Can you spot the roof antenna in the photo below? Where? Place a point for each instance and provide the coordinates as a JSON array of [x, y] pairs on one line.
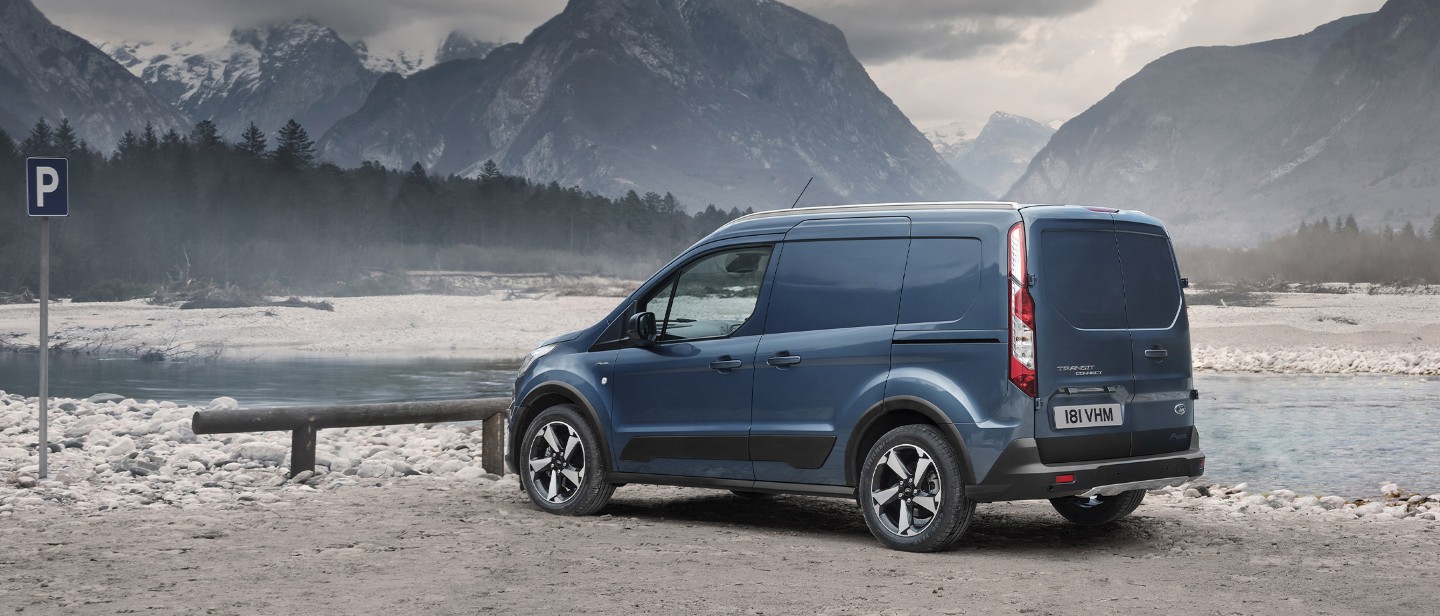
[[802, 192]]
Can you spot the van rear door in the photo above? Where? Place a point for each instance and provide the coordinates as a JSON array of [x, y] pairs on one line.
[[1112, 338], [1084, 364], [1162, 414]]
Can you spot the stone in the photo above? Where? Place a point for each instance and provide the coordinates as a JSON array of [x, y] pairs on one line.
[[1332, 502], [103, 398], [14, 454], [25, 482], [470, 473], [68, 407], [74, 443], [223, 403], [54, 447], [1390, 490], [122, 446]]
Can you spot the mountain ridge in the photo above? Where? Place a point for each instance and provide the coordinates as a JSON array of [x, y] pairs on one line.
[[613, 95]]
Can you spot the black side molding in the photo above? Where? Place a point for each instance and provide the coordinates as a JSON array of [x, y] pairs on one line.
[[647, 448], [803, 452]]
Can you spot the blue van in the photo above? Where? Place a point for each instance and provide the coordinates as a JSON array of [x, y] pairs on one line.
[[919, 358]]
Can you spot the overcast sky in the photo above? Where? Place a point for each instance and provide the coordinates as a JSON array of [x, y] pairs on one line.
[[942, 61]]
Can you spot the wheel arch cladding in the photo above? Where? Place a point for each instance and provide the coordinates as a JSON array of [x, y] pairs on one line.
[[544, 396], [893, 413]]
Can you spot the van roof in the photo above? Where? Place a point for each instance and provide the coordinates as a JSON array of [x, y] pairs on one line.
[[873, 207]]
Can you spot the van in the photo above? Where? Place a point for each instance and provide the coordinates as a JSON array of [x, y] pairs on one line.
[[919, 358]]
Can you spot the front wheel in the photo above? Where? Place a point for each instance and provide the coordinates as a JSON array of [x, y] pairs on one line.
[[912, 491], [563, 472], [1098, 510]]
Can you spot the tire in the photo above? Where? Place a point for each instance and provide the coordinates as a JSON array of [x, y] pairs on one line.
[[570, 476], [1099, 510], [747, 495], [912, 491]]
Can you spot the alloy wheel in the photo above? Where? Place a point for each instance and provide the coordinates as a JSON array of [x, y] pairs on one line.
[[905, 491], [557, 462]]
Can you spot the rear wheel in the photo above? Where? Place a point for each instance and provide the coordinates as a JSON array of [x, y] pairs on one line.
[[1098, 510], [563, 472], [912, 491]]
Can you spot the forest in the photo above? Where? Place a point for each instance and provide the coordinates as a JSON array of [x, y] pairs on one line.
[[171, 208], [1323, 251], [167, 209]]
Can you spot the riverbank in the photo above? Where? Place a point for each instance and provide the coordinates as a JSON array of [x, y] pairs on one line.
[[143, 515], [1296, 333]]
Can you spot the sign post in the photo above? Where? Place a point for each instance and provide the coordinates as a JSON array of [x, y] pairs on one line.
[[47, 195]]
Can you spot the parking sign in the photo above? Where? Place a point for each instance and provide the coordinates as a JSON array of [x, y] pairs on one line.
[[47, 186]]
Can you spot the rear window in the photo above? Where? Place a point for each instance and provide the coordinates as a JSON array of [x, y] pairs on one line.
[[1152, 289], [1093, 289], [1082, 278]]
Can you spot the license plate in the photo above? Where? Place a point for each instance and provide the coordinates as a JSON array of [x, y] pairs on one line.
[[1088, 416]]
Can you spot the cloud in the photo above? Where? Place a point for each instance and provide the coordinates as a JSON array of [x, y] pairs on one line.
[[880, 32], [171, 20]]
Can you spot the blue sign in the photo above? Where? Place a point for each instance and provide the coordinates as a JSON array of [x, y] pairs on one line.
[[47, 186]]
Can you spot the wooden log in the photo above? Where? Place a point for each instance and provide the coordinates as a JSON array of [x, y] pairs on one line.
[[345, 416]]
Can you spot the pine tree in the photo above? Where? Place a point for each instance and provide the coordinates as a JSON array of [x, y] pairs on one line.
[[205, 136], [417, 177], [490, 171], [1407, 232], [41, 141], [65, 140], [149, 139], [253, 142], [173, 141], [7, 150], [293, 147], [1350, 227], [128, 146]]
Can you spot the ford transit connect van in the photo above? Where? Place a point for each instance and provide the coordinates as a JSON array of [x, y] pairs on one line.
[[919, 358]]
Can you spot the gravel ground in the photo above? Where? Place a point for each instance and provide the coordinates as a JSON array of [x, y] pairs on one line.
[[422, 545]]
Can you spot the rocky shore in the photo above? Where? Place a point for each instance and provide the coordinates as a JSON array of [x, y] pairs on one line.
[[113, 453]]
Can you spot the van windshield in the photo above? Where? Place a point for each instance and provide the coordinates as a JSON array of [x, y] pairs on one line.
[[1103, 279]]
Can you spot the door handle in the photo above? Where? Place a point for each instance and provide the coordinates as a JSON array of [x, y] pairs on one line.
[[780, 361], [1156, 353], [726, 364]]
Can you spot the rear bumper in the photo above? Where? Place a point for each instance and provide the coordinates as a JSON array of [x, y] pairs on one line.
[[1020, 475]]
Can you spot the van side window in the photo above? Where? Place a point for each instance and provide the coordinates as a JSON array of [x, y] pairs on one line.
[[833, 284], [712, 297], [942, 279]]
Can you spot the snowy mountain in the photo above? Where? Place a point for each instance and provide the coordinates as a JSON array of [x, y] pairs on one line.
[[47, 71], [402, 61], [998, 156], [267, 75], [459, 46], [1230, 143], [950, 141], [731, 103]]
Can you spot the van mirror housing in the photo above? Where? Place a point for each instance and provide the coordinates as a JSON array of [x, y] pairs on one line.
[[640, 329]]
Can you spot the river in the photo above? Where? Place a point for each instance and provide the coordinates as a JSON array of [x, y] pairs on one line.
[[1317, 434]]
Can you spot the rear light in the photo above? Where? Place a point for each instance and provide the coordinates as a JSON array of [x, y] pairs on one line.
[[1022, 316], [1066, 478]]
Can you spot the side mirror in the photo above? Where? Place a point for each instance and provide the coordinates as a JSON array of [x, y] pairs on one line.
[[641, 329]]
